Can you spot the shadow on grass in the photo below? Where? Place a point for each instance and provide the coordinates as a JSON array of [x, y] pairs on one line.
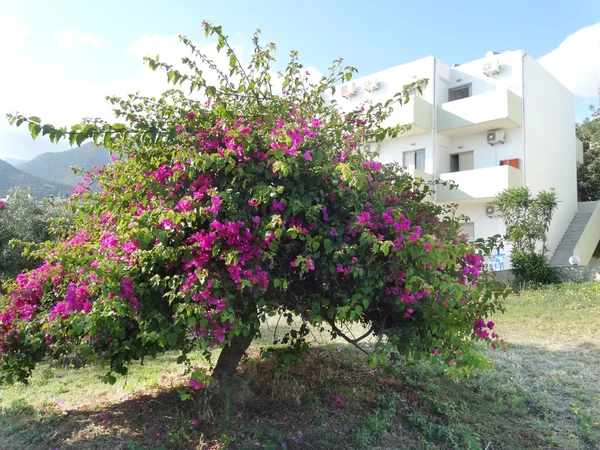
[[333, 400]]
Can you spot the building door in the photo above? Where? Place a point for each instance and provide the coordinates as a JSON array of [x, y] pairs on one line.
[[462, 161]]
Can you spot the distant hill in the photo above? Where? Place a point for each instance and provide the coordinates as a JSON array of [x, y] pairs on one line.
[[11, 177], [54, 166], [15, 162]]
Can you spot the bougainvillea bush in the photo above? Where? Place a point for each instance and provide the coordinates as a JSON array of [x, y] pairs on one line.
[[233, 202]]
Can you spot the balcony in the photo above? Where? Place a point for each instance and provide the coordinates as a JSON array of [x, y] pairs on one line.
[[480, 113], [415, 173], [479, 184], [417, 113]]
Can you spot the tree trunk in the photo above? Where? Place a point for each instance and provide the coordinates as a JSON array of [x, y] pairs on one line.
[[225, 374]]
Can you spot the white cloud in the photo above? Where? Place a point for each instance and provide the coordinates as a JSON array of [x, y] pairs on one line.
[[88, 38], [576, 61], [66, 38], [12, 35]]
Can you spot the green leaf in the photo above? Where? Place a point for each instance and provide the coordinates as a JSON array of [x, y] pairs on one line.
[[279, 153], [107, 139], [80, 138], [119, 127], [34, 119], [171, 339], [162, 237], [35, 130]]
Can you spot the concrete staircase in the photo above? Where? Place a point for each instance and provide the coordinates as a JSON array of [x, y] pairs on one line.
[[568, 242]]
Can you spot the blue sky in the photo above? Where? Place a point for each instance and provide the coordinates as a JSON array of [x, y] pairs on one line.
[[65, 55]]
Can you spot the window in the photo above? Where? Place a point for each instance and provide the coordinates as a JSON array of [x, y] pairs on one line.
[[469, 230], [461, 161], [415, 160], [458, 93]]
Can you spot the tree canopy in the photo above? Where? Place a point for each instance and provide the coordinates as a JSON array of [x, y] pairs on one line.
[[588, 174], [240, 200]]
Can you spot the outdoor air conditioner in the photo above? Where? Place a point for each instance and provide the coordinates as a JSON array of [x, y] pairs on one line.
[[490, 210], [348, 90], [370, 148], [496, 137], [491, 67], [371, 84]]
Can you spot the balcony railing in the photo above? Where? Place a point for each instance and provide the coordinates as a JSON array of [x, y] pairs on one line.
[[479, 184], [480, 113], [417, 113]]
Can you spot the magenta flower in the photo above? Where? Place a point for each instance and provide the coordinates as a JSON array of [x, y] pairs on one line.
[[196, 384], [307, 156], [310, 264], [190, 116], [427, 246], [253, 202], [365, 216], [452, 363], [436, 352], [277, 206], [179, 128], [333, 232]]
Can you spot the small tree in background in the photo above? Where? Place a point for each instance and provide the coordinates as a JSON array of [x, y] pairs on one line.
[[24, 220], [527, 218], [250, 202], [588, 174]]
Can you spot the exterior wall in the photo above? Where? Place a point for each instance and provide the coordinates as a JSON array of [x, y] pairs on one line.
[[550, 154], [484, 226], [484, 155], [510, 75], [392, 150], [391, 81]]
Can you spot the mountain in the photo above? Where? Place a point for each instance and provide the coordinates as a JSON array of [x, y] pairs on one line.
[[15, 162], [12, 177], [54, 166]]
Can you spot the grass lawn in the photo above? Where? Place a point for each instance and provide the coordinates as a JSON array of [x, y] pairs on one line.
[[544, 393]]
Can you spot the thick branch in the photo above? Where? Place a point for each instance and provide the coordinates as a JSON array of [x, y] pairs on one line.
[[347, 339]]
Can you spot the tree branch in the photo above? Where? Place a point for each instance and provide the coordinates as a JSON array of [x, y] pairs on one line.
[[354, 342]]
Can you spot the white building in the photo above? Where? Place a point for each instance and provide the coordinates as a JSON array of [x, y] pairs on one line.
[[497, 122]]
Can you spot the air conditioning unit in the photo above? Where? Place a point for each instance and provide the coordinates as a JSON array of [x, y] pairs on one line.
[[371, 84], [491, 67], [490, 210], [496, 137], [348, 90], [370, 148]]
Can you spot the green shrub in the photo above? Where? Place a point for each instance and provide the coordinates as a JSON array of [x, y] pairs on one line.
[[532, 268]]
